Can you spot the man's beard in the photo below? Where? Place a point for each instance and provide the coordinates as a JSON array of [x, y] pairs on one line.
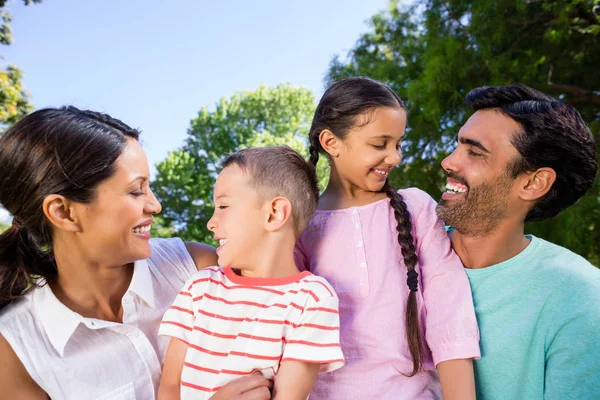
[[480, 212]]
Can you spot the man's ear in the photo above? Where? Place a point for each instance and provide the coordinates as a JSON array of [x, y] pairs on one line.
[[535, 185], [279, 212], [329, 142], [62, 213]]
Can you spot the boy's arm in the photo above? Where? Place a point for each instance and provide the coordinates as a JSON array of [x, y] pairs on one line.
[[294, 380], [456, 379], [170, 380]]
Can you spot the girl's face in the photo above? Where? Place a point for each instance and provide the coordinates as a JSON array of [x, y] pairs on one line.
[[115, 226], [371, 149]]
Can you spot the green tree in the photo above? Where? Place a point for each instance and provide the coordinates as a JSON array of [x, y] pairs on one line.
[[185, 179], [3, 227], [434, 51], [14, 100]]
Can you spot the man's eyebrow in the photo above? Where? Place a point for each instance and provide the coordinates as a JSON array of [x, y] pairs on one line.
[[474, 143]]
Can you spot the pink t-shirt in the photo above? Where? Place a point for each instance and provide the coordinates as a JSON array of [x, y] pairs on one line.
[[357, 251]]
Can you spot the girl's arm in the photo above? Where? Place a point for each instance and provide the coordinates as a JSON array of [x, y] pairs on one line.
[[294, 380], [15, 382], [170, 380], [457, 380]]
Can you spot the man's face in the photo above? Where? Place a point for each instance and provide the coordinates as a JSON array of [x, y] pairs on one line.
[[480, 189]]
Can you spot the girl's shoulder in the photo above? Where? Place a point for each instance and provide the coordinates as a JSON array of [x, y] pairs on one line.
[[418, 200]]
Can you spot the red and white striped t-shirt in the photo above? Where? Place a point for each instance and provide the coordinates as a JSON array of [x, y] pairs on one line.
[[235, 325]]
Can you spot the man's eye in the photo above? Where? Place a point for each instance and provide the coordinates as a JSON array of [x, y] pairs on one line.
[[472, 153]]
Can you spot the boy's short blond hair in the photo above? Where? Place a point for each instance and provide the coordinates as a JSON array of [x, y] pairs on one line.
[[279, 171]]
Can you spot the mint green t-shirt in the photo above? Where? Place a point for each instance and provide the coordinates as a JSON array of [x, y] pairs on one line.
[[539, 320]]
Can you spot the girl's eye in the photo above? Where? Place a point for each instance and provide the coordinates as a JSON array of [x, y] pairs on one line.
[[222, 207], [379, 147], [472, 153]]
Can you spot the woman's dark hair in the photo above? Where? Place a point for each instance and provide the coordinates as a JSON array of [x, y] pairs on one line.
[[64, 151], [552, 135], [339, 110]]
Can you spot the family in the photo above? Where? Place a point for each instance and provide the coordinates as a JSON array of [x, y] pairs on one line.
[[358, 291]]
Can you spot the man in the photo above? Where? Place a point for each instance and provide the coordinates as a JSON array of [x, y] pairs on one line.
[[525, 156]]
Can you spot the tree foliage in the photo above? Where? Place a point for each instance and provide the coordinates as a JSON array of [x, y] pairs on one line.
[[434, 51], [14, 100], [185, 179]]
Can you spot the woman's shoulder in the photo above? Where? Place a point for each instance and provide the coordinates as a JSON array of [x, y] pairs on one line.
[[20, 309]]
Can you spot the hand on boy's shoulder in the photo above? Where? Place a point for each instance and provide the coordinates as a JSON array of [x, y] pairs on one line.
[[203, 255]]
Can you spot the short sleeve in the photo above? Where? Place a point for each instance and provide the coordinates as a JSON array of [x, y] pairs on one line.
[[178, 321], [316, 336], [300, 257], [573, 350], [451, 324], [171, 258]]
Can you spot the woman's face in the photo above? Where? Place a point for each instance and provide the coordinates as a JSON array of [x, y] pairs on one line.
[[115, 226]]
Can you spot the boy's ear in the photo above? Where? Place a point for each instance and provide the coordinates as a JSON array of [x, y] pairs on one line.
[[536, 184], [279, 212], [62, 213], [329, 142]]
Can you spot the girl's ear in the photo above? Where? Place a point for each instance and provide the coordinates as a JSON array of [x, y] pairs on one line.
[[329, 142]]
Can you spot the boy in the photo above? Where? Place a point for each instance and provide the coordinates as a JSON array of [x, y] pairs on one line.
[[255, 311]]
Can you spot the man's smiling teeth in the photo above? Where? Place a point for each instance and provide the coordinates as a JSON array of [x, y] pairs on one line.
[[456, 188], [142, 229], [381, 172], [222, 242]]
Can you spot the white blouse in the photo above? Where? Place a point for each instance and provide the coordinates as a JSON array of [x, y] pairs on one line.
[[72, 357]]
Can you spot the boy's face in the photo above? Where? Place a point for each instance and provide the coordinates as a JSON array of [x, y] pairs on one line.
[[239, 219]]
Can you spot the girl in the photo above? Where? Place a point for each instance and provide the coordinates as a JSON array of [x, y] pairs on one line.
[[361, 239]]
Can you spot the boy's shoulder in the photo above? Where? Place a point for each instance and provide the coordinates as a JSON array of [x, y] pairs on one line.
[[318, 287], [203, 278]]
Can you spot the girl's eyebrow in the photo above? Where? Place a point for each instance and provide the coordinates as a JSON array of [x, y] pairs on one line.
[[386, 136]]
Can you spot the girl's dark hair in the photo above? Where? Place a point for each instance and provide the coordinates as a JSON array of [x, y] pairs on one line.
[[552, 134], [64, 151], [338, 111]]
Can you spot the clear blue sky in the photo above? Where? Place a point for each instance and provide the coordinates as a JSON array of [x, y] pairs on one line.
[[154, 64]]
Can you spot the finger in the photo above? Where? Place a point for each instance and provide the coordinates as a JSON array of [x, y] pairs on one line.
[[249, 382], [260, 393]]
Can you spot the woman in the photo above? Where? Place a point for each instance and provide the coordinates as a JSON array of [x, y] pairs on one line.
[[82, 286]]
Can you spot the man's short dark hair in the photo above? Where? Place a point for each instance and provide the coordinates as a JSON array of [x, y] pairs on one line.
[[552, 135]]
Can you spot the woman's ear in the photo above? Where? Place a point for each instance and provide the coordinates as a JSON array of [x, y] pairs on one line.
[[61, 213]]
